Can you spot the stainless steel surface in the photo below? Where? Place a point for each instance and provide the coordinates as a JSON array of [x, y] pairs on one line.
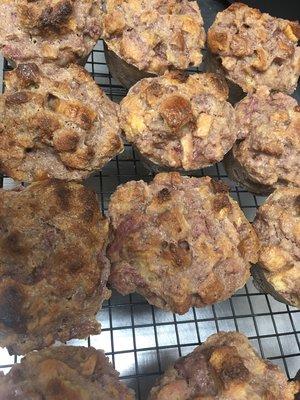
[[142, 340]]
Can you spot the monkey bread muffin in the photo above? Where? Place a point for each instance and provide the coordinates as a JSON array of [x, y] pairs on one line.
[[151, 36], [256, 49], [179, 242], [225, 367], [64, 373], [267, 153], [179, 121], [277, 225], [55, 123], [53, 268], [58, 31]]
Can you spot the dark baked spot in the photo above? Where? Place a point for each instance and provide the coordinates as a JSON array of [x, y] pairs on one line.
[[220, 202], [233, 369], [63, 195], [13, 243], [53, 17], [28, 73], [76, 266], [55, 387], [219, 186], [16, 99], [179, 255], [297, 108], [154, 89], [164, 195], [46, 124], [176, 111], [35, 276], [11, 314], [181, 76]]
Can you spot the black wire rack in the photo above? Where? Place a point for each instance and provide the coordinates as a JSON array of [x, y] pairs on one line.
[[142, 340]]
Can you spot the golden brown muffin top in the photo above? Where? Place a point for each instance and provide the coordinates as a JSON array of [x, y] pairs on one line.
[[53, 270], [277, 225], [64, 373], [179, 241], [269, 141], [180, 121], [154, 35], [225, 367], [59, 31], [55, 123], [256, 48]]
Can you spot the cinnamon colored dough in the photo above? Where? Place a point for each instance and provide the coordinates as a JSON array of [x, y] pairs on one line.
[[55, 123], [277, 225], [225, 367], [179, 121], [154, 35], [64, 373], [255, 48], [266, 155], [53, 269], [56, 31], [179, 242]]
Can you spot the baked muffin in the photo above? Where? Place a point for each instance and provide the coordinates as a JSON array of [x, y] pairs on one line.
[[58, 31], [267, 153], [225, 367], [179, 242], [180, 122], [53, 269], [151, 36], [255, 48], [277, 225], [66, 373], [55, 123]]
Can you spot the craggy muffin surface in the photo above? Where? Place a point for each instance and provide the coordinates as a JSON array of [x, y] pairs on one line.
[[267, 152], [179, 241], [55, 123], [179, 121], [277, 225], [256, 48], [53, 269], [66, 373], [59, 31], [225, 367], [154, 35]]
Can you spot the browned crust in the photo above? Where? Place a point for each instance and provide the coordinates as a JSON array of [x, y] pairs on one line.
[[224, 367], [179, 241], [61, 32], [277, 225], [64, 372], [56, 123], [53, 270], [178, 121], [154, 36], [267, 152], [256, 48]]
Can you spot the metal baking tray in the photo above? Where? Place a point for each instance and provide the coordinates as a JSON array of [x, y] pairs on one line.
[[141, 340]]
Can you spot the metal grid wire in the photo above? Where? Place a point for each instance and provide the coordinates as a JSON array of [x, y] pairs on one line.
[[142, 340]]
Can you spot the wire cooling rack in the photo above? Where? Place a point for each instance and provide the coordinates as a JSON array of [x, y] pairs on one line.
[[142, 340]]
